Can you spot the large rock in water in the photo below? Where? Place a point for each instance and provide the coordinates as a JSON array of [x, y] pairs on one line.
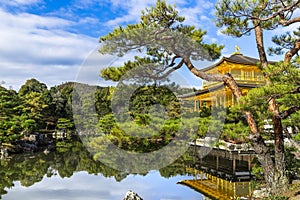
[[130, 195]]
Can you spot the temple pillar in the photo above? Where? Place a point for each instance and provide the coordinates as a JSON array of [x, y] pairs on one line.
[[249, 162], [233, 165], [217, 161]]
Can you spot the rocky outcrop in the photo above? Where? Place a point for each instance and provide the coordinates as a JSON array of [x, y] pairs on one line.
[[130, 195], [31, 143]]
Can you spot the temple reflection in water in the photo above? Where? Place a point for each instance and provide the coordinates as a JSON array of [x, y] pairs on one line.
[[221, 174]]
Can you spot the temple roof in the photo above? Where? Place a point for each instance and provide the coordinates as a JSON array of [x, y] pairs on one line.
[[237, 58]]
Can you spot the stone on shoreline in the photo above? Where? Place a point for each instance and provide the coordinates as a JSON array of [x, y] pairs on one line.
[[130, 195]]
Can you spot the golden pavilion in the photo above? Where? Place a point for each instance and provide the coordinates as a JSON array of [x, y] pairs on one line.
[[245, 70], [224, 174], [221, 174]]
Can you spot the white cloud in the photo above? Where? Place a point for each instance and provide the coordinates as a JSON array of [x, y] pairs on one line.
[[88, 20], [20, 2], [133, 8], [194, 14], [197, 14], [40, 47]]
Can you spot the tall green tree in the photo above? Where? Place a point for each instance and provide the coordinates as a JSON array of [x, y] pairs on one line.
[[32, 85], [10, 115], [36, 99], [240, 18]]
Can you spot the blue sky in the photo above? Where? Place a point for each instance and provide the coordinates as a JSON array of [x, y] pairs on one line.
[[50, 39]]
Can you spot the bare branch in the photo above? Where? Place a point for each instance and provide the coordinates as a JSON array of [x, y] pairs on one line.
[[283, 4], [296, 91], [292, 52], [173, 61], [290, 111], [284, 22], [171, 70]]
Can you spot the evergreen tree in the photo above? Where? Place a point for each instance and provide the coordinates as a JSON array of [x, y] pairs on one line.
[[11, 115], [240, 17]]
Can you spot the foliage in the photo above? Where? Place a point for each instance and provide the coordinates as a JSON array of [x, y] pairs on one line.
[[284, 42], [240, 17], [258, 171], [285, 81], [36, 108], [152, 36], [32, 85], [277, 198], [64, 123], [10, 115]]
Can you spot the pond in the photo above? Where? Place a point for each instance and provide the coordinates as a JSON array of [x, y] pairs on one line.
[[71, 173]]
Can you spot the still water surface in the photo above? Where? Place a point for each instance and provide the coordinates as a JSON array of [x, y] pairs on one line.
[[84, 186], [71, 173]]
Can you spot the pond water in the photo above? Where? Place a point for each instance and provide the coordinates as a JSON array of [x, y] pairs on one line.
[[84, 186], [71, 173]]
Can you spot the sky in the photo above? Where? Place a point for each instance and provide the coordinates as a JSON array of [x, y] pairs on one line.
[[51, 40]]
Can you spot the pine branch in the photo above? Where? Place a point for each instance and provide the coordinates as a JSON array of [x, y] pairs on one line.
[[279, 13], [290, 111], [292, 52], [171, 70], [284, 22]]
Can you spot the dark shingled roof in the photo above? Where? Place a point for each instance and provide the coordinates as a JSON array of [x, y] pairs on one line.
[[236, 58], [241, 59]]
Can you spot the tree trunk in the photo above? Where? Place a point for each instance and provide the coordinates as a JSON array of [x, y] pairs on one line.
[[278, 177]]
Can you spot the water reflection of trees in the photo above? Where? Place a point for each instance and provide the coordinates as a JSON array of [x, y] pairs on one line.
[[68, 159], [31, 168]]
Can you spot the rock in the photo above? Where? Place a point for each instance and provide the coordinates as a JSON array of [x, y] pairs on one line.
[[38, 139], [33, 138], [27, 147], [260, 193], [130, 195]]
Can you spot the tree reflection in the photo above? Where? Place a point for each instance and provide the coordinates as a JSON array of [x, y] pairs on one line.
[[69, 158]]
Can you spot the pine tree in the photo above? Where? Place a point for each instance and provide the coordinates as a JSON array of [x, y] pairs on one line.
[[240, 18]]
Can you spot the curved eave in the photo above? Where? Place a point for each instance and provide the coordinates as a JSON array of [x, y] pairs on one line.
[[221, 85], [198, 92]]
